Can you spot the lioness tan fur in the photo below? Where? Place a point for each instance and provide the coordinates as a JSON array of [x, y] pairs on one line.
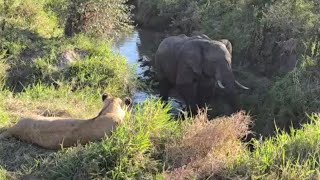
[[54, 132]]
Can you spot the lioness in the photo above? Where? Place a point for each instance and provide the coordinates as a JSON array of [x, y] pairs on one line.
[[52, 132]]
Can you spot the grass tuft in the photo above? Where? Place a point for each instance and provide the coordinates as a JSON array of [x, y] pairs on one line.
[[3, 174], [293, 155], [205, 148]]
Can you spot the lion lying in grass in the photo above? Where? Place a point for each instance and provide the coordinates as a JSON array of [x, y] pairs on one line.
[[54, 132]]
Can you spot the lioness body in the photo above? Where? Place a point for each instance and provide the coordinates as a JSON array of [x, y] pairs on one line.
[[51, 132]]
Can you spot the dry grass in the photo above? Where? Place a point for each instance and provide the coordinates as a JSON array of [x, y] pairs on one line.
[[71, 105], [207, 146]]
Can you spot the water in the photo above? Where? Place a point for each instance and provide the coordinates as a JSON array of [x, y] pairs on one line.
[[142, 44]]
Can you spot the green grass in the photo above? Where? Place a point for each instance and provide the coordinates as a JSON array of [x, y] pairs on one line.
[[128, 154], [293, 155], [3, 174], [150, 145], [97, 67], [31, 82], [4, 118], [32, 43], [288, 100]]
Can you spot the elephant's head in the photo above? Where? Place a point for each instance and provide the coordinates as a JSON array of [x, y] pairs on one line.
[[217, 64], [211, 60]]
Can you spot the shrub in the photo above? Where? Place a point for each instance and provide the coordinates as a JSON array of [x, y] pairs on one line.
[[233, 20], [92, 64], [127, 154], [98, 18], [298, 18], [31, 16], [293, 155], [3, 70], [290, 98], [219, 19], [4, 117], [3, 175], [102, 68], [26, 24], [246, 23], [206, 147]]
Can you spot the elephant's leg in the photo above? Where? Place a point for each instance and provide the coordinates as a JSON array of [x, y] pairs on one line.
[[188, 93], [204, 92], [164, 89]]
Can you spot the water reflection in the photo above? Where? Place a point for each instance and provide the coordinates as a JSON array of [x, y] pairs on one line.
[[139, 44]]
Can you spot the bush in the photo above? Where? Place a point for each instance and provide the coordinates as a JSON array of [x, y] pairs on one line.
[[293, 155], [128, 153], [3, 71], [4, 117], [101, 69], [295, 19], [25, 24], [98, 18], [31, 16], [290, 98], [79, 62], [219, 19], [3, 174], [206, 147], [246, 23]]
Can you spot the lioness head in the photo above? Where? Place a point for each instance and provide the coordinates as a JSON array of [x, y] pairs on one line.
[[114, 105]]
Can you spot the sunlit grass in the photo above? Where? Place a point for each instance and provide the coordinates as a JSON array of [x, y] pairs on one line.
[[128, 153], [293, 155], [3, 175]]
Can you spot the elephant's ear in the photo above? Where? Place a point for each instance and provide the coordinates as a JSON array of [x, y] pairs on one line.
[[189, 66], [228, 44]]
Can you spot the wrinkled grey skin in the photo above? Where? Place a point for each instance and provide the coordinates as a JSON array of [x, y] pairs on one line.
[[194, 65]]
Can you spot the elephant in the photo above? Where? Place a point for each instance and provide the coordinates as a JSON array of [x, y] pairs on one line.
[[195, 66]]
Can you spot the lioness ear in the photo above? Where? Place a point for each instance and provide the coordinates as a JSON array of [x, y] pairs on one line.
[[104, 97], [128, 101]]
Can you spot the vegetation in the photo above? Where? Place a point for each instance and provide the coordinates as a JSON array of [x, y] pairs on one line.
[[3, 174], [293, 155], [121, 156], [290, 100], [97, 18], [244, 22], [203, 150], [56, 59]]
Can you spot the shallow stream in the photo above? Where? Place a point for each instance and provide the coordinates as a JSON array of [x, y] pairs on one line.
[[142, 44]]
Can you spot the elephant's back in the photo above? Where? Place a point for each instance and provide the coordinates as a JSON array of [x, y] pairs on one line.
[[202, 45], [166, 57]]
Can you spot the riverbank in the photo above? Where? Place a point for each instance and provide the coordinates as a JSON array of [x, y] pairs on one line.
[[274, 43], [63, 76]]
